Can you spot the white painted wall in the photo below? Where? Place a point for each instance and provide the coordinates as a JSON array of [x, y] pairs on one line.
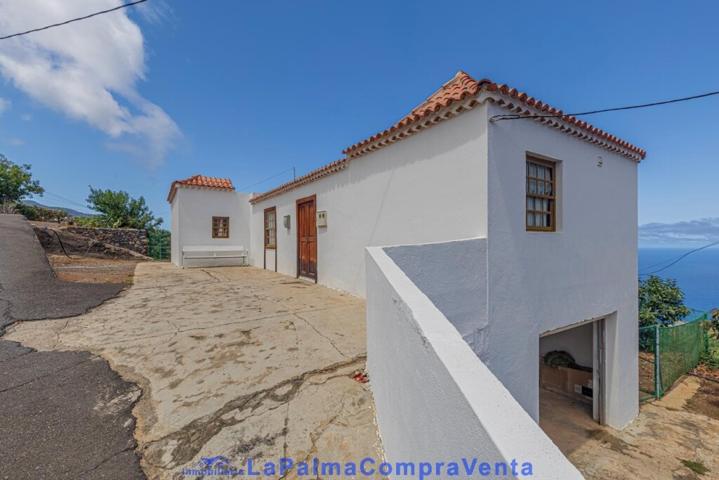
[[453, 275], [192, 212], [587, 269], [437, 401], [430, 187], [465, 178], [577, 341], [175, 253]]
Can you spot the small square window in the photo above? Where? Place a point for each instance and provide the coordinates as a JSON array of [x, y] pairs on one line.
[[541, 195], [220, 227]]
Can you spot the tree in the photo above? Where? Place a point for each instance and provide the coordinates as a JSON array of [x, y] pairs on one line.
[[661, 302], [16, 182], [118, 210], [714, 321]]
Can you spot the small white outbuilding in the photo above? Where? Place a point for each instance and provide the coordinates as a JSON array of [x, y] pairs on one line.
[[209, 223]]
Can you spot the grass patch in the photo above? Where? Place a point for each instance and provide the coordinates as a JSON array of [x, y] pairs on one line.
[[695, 466]]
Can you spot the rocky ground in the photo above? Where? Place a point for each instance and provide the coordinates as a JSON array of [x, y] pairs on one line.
[[675, 438], [93, 269]]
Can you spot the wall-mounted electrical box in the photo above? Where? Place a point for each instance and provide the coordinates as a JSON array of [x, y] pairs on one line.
[[286, 221], [322, 218]]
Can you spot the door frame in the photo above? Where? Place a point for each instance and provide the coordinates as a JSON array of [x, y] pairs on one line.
[[599, 370], [264, 244], [300, 201], [599, 362]]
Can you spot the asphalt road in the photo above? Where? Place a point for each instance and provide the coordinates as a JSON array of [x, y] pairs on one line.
[[63, 415], [29, 289]]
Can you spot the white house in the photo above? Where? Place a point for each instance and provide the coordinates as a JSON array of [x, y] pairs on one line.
[[550, 201]]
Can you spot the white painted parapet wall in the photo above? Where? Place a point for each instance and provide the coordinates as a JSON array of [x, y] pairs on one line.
[[435, 399]]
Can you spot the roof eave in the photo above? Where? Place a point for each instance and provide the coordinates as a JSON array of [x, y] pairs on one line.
[[516, 102]]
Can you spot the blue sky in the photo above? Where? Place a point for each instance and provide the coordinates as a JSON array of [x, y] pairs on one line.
[[251, 89]]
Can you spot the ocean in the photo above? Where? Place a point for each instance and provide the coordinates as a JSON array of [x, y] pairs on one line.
[[697, 274]]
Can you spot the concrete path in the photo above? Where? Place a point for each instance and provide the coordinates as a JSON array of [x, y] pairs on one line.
[[237, 362], [63, 415]]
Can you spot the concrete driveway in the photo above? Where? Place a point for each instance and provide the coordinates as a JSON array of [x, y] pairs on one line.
[[238, 362]]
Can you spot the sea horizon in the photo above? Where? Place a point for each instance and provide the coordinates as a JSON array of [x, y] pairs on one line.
[[697, 274]]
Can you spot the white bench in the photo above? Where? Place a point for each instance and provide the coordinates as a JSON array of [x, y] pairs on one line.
[[214, 255]]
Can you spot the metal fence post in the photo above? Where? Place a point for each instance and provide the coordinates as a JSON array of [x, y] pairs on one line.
[[657, 374]]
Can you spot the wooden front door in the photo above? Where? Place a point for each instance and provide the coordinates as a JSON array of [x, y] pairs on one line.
[[307, 238]]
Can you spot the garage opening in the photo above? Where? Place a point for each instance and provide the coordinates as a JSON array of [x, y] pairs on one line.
[[571, 376]]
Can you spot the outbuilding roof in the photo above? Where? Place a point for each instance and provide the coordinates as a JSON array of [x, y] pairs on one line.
[[459, 94], [200, 181]]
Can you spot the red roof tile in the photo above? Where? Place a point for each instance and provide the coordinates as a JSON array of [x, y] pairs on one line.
[[461, 87], [200, 181], [465, 92]]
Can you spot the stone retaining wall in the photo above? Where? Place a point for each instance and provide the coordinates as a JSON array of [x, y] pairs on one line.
[[129, 238]]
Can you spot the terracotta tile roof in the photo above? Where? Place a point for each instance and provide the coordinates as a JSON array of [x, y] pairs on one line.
[[459, 94], [466, 92], [200, 181], [328, 169]]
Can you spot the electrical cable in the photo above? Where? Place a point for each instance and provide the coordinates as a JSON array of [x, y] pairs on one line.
[[101, 12], [604, 110], [680, 258], [266, 179]]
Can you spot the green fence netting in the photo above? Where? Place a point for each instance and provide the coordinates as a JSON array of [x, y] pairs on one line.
[[681, 349], [647, 363], [158, 245], [667, 353]]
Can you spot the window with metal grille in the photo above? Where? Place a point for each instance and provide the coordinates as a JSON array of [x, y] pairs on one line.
[[541, 195], [220, 227], [270, 227]]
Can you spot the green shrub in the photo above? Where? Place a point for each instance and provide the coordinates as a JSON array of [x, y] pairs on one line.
[[714, 322], [660, 301], [711, 357], [40, 214], [91, 222]]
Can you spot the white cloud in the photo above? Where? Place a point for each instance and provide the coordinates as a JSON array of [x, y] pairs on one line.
[[4, 105], [87, 70], [700, 231]]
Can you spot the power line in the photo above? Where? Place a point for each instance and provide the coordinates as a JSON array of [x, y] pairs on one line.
[[101, 12], [72, 202], [604, 110], [269, 178], [680, 258]]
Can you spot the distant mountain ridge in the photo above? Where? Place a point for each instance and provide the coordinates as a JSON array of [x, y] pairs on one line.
[[687, 233], [71, 212]]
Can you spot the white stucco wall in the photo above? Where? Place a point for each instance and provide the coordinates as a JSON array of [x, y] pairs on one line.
[[453, 275], [465, 178], [586, 269], [577, 341], [175, 232], [437, 401], [192, 212], [427, 188]]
